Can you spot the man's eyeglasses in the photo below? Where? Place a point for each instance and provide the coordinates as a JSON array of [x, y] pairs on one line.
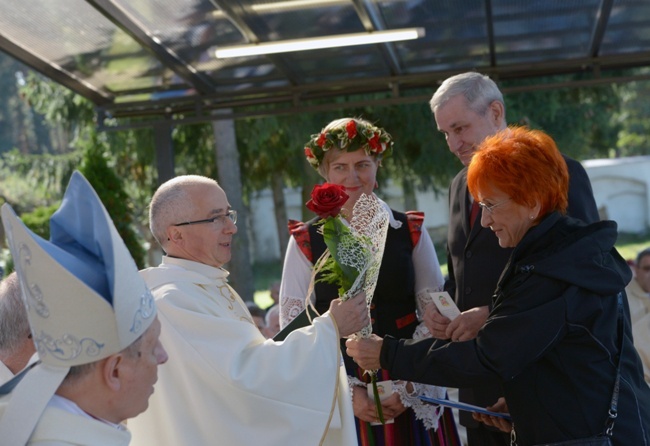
[[489, 208], [230, 215]]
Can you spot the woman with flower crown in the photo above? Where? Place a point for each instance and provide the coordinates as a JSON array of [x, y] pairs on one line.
[[348, 152]]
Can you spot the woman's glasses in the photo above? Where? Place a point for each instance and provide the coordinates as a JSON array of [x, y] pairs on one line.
[[490, 207]]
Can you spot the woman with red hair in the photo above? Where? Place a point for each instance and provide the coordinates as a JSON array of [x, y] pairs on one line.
[[551, 337], [522, 166]]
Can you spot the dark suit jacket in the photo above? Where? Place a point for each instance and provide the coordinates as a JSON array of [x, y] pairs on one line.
[[475, 260]]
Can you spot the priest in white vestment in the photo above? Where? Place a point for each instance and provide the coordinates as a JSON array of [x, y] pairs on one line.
[[94, 325], [225, 382]]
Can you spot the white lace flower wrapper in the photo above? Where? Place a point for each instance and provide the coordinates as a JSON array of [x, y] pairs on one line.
[[369, 226], [353, 259]]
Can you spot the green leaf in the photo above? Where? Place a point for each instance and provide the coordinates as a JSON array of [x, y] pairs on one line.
[[333, 231]]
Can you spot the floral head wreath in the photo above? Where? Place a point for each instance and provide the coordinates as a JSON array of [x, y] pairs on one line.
[[352, 136]]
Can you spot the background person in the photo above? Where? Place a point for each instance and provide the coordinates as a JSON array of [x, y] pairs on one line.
[[274, 292], [551, 338], [641, 332], [94, 324], [16, 345], [228, 384], [638, 290], [638, 294], [468, 108], [258, 315], [272, 321], [408, 271]]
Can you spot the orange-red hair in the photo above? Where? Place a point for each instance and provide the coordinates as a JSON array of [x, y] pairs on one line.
[[523, 163]]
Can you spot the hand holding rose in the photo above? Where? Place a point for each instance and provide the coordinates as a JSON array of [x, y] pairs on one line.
[[365, 351], [350, 315]]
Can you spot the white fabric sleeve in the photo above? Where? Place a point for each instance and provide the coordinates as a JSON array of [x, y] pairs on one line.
[[229, 370], [427, 267], [428, 413], [296, 274]]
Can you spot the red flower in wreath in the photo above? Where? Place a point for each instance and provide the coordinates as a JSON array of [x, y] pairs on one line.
[[351, 129], [375, 143], [321, 140]]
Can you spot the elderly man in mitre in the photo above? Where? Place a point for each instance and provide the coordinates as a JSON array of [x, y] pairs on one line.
[[94, 324]]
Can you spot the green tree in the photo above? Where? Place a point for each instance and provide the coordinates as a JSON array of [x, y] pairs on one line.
[[20, 127], [634, 119], [109, 188], [581, 120], [194, 150], [62, 107], [421, 159], [39, 220], [28, 181], [270, 150]]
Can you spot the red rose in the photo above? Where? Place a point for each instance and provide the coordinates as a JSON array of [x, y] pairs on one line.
[[327, 200], [321, 140], [351, 128], [309, 153], [375, 144]]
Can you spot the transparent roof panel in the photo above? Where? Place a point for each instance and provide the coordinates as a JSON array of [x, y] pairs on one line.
[[162, 50], [542, 31], [628, 30], [456, 34], [252, 69], [285, 20], [74, 36], [190, 28], [338, 64]]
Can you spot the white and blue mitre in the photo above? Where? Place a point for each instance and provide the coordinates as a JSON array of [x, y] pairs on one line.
[[84, 297]]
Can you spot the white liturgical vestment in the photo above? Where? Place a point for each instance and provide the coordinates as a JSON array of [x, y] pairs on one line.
[[5, 373], [226, 384], [57, 427]]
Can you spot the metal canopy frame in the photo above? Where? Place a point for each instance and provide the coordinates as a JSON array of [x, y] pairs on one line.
[[506, 39]]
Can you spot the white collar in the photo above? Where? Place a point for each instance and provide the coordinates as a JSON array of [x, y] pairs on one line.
[[69, 406]]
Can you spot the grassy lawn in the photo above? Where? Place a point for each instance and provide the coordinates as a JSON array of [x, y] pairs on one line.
[[628, 245]]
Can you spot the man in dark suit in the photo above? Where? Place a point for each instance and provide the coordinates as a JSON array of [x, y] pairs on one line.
[[468, 108]]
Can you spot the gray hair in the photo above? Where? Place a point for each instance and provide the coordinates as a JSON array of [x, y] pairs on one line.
[[14, 326], [172, 203], [77, 372], [479, 90]]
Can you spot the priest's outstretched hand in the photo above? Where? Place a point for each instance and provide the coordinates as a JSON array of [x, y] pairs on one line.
[[365, 351], [350, 315]]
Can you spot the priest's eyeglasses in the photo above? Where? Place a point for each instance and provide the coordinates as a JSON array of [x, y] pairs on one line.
[[489, 208], [230, 215]]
